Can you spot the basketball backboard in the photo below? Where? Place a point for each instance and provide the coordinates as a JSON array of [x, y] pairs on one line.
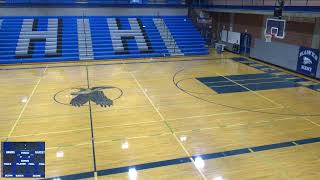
[[276, 27]]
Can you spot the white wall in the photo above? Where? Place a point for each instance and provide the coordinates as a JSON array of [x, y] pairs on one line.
[[230, 37]]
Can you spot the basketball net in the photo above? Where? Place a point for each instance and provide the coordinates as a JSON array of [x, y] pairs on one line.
[[268, 37]]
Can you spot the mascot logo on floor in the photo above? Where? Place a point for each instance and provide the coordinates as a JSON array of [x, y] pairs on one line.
[[94, 94], [103, 96]]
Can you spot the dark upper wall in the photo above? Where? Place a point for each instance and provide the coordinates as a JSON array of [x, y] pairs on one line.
[[250, 23], [91, 3], [298, 33], [93, 11]]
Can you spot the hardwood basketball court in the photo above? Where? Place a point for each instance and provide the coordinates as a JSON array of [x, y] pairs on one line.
[[208, 117]]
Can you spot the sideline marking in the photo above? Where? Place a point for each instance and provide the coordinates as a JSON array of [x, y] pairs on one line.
[[26, 104], [190, 159]]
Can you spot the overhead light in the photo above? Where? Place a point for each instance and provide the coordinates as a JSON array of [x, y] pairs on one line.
[[59, 154], [132, 173], [199, 162]]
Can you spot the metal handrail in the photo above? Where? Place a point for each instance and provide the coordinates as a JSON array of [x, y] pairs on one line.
[[171, 40]]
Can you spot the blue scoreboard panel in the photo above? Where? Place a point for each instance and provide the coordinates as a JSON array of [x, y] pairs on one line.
[[23, 159]]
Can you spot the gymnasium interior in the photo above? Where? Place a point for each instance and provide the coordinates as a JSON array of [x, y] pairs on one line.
[[160, 89]]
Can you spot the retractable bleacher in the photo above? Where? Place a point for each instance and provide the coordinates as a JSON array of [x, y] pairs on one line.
[[70, 38]]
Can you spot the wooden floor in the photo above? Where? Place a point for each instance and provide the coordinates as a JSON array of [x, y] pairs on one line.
[[155, 121]]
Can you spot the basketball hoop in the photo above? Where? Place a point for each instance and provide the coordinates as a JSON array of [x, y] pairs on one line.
[[268, 37], [275, 28]]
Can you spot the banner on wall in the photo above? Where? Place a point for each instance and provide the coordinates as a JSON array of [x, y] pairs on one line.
[[308, 59], [245, 43]]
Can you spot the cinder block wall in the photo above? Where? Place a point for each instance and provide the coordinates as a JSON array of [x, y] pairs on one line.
[[297, 32]]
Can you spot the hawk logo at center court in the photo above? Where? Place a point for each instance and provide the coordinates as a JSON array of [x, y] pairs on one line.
[[79, 96], [94, 94]]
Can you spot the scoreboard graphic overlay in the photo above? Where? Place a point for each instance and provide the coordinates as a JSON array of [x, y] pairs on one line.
[[23, 159]]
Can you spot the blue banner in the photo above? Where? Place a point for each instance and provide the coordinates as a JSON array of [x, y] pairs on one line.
[[308, 59]]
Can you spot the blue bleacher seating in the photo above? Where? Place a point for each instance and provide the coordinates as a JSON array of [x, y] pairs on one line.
[[186, 39], [88, 2]]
